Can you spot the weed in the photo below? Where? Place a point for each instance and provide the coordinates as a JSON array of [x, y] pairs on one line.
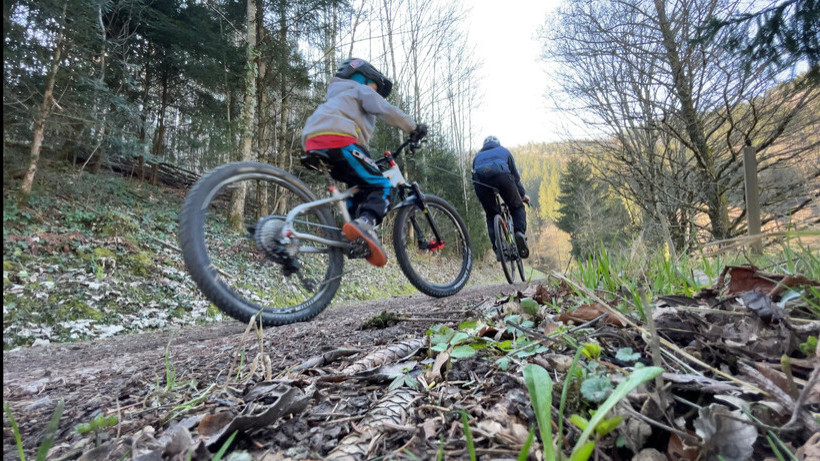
[[48, 439], [539, 385], [468, 435], [15, 429], [224, 448]]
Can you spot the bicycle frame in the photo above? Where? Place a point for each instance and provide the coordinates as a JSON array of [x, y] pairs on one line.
[[416, 197]]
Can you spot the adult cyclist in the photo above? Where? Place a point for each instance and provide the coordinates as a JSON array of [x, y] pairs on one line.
[[494, 167]]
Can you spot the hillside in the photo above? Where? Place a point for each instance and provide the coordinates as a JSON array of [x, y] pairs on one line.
[[95, 255]]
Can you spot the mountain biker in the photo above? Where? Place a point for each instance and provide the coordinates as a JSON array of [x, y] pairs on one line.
[[494, 167], [341, 128]]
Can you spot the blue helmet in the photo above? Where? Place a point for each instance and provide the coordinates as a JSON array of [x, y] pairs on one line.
[[353, 66]]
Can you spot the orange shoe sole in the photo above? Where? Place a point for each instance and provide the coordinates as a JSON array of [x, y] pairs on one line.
[[377, 257]]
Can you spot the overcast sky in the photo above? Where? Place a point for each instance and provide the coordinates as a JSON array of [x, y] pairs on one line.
[[513, 75]]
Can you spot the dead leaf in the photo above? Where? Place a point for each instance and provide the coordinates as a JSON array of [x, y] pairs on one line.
[[288, 400], [434, 374], [775, 376], [634, 433], [749, 278], [430, 427], [811, 450], [559, 363], [760, 303], [678, 451], [211, 424], [550, 327], [726, 433], [649, 454], [587, 312]]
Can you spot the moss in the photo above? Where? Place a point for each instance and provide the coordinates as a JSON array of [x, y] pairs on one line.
[[212, 311], [11, 266], [142, 263], [75, 310], [383, 320], [104, 253], [115, 223]]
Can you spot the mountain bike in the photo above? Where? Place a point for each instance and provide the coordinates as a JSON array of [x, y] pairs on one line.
[[505, 241], [258, 240]]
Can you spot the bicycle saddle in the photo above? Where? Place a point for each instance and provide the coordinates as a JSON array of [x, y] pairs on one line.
[[315, 159]]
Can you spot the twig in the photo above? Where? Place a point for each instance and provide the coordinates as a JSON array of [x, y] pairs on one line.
[[655, 347], [798, 406], [236, 352]]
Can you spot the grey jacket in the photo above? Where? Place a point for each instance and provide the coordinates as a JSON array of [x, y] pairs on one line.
[[351, 109]]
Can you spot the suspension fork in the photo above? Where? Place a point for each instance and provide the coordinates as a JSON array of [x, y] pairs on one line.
[[419, 202]]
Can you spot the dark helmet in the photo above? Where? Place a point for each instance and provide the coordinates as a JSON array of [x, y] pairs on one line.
[[353, 65]]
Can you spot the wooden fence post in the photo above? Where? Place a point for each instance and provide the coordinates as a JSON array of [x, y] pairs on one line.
[[752, 195]]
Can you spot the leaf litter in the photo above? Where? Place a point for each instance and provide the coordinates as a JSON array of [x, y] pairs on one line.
[[735, 384]]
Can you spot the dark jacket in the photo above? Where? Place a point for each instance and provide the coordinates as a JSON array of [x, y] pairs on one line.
[[493, 160]]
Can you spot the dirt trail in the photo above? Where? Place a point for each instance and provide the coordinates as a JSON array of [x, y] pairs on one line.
[[124, 372]]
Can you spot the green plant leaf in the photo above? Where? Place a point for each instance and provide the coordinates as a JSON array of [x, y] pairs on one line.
[[15, 429], [608, 425], [219, 454], [459, 338], [51, 430], [625, 354], [539, 385], [596, 388], [525, 450], [808, 347], [503, 363], [530, 306], [583, 453], [468, 435], [467, 324], [638, 377], [591, 350], [579, 421], [462, 352]]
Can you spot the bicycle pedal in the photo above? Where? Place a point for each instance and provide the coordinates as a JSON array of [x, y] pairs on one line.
[[358, 249]]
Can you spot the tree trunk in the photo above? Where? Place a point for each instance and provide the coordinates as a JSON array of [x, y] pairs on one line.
[[237, 206], [716, 202], [45, 108]]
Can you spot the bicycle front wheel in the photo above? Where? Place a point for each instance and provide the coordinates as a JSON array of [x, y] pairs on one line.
[[502, 244], [217, 233], [437, 265]]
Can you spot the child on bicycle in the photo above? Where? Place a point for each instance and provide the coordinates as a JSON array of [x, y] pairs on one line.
[[341, 128], [494, 168]]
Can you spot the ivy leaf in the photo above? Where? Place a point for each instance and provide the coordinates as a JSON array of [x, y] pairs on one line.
[[625, 354], [595, 389]]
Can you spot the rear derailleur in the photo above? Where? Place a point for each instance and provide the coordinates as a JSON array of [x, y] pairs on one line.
[[278, 248]]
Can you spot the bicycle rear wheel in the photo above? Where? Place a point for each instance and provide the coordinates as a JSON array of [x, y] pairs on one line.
[[502, 245], [436, 268], [228, 263]]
